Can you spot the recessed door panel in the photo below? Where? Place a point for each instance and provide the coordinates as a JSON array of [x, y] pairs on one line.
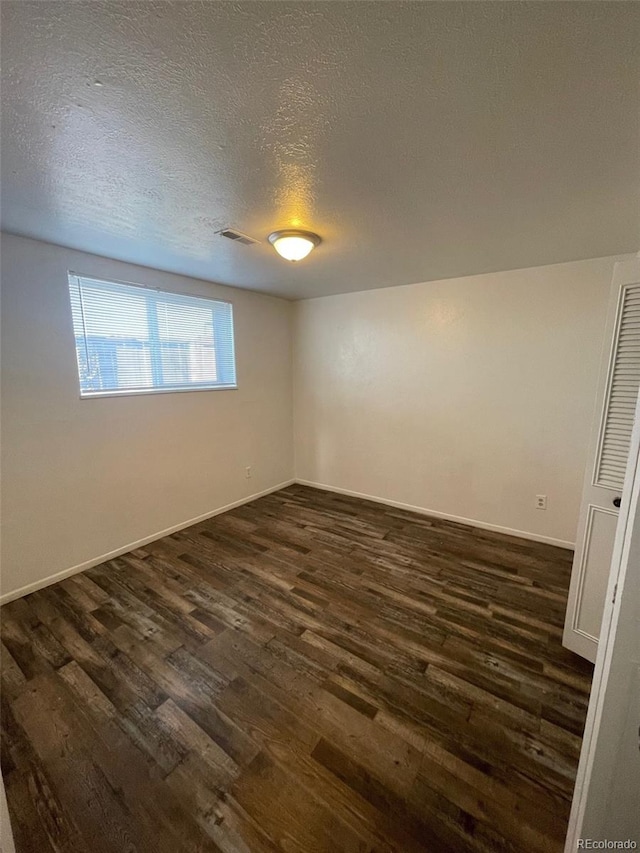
[[598, 547]]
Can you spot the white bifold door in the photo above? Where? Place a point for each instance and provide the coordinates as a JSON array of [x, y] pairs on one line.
[[606, 462], [606, 802]]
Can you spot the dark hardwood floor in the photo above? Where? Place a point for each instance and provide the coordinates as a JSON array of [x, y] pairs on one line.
[[308, 672]]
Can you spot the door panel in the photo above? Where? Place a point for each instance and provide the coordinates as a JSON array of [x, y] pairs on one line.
[[623, 380], [606, 462], [596, 552]]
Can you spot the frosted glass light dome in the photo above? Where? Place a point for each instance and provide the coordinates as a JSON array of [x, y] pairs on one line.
[[293, 245]]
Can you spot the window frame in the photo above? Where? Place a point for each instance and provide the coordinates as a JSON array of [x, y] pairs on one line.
[[136, 392]]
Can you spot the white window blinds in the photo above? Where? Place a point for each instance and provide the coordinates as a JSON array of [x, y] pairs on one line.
[[132, 339], [622, 393]]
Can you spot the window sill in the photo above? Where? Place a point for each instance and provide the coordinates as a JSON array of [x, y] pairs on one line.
[[138, 392]]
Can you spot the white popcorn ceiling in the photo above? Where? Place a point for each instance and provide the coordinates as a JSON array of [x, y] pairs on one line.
[[420, 140]]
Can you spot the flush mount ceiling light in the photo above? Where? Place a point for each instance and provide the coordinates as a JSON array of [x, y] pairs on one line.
[[293, 245]]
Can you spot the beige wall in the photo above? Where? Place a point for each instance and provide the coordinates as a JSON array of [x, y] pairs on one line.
[[6, 834], [466, 397], [82, 478]]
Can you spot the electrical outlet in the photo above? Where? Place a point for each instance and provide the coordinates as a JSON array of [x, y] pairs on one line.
[[541, 501], [247, 472]]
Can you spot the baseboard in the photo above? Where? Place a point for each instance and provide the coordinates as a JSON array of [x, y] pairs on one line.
[[88, 564], [472, 522], [131, 546]]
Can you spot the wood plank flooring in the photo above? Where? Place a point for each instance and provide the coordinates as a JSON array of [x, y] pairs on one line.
[[309, 672]]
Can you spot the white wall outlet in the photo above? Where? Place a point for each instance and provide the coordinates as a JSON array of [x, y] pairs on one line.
[[541, 501], [247, 472]]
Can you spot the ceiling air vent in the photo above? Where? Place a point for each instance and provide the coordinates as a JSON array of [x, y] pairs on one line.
[[238, 236]]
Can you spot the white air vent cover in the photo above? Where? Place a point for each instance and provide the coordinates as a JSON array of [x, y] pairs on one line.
[[238, 236], [622, 393]]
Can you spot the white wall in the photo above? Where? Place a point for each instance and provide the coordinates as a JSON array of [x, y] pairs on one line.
[[6, 834], [82, 478], [466, 397]]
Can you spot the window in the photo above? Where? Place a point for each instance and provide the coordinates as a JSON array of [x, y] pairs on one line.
[[132, 339]]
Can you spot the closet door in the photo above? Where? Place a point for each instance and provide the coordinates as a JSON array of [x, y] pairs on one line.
[[607, 462]]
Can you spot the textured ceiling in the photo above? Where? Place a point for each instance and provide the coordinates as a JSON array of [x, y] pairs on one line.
[[420, 140]]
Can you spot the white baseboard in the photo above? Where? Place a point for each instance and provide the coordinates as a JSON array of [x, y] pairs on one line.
[[88, 564], [472, 522], [131, 546]]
